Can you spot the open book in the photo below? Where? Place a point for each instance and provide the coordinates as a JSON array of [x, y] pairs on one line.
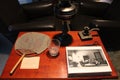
[[87, 61]]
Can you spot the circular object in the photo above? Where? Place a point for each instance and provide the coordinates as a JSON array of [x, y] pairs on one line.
[[65, 10], [65, 39], [32, 42]]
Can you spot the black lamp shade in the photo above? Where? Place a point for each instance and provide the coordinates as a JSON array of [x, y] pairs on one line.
[[65, 9]]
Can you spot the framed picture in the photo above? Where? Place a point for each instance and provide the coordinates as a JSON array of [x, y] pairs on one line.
[[87, 61]]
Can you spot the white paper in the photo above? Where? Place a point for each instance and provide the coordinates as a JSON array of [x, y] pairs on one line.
[[75, 55], [30, 63]]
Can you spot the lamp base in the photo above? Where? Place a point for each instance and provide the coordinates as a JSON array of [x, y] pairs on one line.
[[65, 39]]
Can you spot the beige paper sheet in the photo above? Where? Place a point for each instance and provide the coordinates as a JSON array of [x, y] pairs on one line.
[[30, 63]]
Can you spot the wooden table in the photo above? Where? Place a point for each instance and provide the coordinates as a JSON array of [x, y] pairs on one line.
[[52, 68]]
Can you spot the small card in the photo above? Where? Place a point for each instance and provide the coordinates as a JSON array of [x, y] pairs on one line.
[[30, 63]]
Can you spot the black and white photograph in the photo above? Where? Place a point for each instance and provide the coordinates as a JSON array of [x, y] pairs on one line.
[[87, 59]]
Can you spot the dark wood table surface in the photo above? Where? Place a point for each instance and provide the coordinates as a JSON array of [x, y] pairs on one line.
[[53, 68]]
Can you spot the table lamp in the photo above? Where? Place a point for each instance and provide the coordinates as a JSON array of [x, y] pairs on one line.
[[65, 10]]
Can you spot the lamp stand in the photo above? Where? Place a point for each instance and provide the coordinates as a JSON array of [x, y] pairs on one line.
[[64, 37]]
